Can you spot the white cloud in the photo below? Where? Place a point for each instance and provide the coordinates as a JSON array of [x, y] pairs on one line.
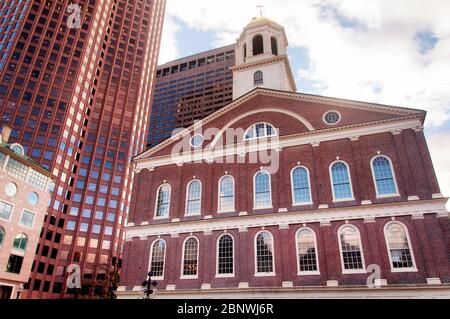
[[378, 60], [169, 50]]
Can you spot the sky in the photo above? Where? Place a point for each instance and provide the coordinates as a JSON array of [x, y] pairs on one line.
[[394, 52]]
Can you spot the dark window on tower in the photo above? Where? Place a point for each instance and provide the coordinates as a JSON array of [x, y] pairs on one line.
[[274, 46], [258, 45], [258, 78], [57, 287], [14, 264]]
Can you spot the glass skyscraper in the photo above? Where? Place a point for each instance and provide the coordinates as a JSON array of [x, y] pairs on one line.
[[75, 85]]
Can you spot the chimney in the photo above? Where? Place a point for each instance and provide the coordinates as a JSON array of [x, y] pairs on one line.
[[6, 132]]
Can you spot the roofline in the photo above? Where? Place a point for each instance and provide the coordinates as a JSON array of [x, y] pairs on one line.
[[255, 92], [26, 161], [177, 61]]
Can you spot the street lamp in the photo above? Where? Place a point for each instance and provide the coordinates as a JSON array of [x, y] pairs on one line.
[[148, 286], [19, 290]]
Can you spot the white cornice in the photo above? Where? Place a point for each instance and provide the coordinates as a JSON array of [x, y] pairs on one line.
[[272, 60], [282, 94], [435, 206], [282, 142]]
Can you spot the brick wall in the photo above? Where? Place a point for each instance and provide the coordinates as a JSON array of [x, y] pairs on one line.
[[373, 247]]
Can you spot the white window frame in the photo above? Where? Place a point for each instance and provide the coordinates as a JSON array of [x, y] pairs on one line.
[[4, 236], [254, 78], [255, 138], [219, 209], [217, 258], [187, 199], [17, 251], [255, 244], [396, 194], [334, 111], [292, 187], [270, 206], [306, 273], [12, 210], [20, 146], [157, 199], [34, 219], [351, 271], [400, 270], [182, 259], [164, 259], [352, 198]]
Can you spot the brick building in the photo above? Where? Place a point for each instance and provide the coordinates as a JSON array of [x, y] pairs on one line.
[[23, 204], [283, 194], [190, 89]]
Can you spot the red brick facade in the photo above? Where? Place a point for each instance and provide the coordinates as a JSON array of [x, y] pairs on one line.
[[427, 222]]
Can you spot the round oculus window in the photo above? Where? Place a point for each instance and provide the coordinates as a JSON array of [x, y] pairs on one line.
[[11, 189], [33, 198], [332, 117], [197, 140]]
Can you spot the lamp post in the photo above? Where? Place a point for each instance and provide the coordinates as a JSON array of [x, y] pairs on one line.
[[19, 290], [148, 286]]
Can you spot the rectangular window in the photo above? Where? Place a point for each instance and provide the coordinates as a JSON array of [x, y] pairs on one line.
[[27, 219], [14, 264], [37, 179], [5, 210], [16, 169]]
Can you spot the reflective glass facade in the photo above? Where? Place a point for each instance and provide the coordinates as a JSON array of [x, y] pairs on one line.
[[190, 89], [78, 99]]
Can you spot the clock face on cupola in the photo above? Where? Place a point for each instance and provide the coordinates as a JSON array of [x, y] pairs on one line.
[[261, 58]]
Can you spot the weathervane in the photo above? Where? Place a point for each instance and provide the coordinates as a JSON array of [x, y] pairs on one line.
[[260, 7]]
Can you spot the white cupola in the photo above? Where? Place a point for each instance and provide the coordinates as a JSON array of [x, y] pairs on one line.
[[261, 58]]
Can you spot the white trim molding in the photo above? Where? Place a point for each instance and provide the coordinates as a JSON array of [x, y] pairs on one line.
[[351, 271], [255, 251], [396, 194], [390, 210], [340, 200], [411, 251], [316, 252]]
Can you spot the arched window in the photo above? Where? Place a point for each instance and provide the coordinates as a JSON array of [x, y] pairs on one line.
[[20, 242], [225, 256], [157, 258], [264, 254], [399, 247], [351, 252], [301, 188], [340, 180], [260, 130], [274, 43], [384, 178], [190, 257], [258, 45], [262, 190], [226, 194], [2, 235], [245, 51], [17, 148], [194, 198], [307, 251], [258, 78], [163, 201]]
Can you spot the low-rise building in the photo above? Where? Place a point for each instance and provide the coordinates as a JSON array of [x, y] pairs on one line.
[[24, 196]]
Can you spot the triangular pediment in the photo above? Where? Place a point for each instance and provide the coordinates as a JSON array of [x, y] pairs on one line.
[[291, 113]]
